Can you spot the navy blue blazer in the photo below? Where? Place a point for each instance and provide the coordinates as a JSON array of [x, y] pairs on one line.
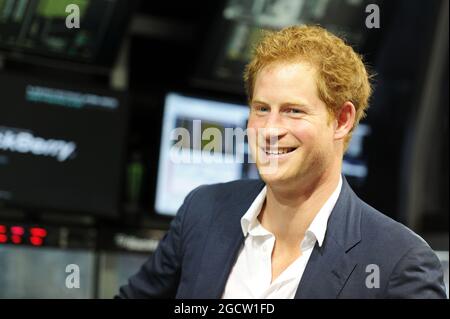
[[196, 256]]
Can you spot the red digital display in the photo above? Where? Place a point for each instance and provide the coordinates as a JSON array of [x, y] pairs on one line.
[[19, 235]]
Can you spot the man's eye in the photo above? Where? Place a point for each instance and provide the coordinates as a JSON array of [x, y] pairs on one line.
[[261, 108], [294, 111]]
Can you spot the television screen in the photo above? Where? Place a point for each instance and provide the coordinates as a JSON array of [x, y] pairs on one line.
[[86, 31], [193, 126], [61, 146], [243, 22]]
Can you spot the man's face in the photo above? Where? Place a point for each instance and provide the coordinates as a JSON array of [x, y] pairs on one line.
[[286, 106]]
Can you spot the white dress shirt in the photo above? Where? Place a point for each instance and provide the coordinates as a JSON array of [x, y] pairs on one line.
[[251, 275]]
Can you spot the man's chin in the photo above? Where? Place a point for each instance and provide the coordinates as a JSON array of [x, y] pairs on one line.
[[275, 171], [276, 177]]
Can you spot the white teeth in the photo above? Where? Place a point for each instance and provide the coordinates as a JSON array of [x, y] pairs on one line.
[[278, 152]]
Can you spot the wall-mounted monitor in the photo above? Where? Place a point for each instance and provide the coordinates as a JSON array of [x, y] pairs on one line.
[[242, 23], [50, 29], [191, 127], [61, 145]]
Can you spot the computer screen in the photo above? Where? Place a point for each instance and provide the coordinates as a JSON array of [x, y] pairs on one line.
[[49, 28], [191, 128], [242, 24], [61, 146]]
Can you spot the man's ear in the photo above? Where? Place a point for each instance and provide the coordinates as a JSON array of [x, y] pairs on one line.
[[345, 120]]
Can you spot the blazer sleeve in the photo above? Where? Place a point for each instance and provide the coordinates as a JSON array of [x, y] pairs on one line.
[[417, 275], [159, 276]]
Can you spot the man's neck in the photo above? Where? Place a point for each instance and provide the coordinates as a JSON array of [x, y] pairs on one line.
[[288, 213]]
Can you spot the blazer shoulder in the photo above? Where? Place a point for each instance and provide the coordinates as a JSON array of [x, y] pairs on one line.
[[387, 231], [412, 267], [203, 201]]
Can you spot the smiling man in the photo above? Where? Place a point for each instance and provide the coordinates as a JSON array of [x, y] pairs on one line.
[[301, 232]]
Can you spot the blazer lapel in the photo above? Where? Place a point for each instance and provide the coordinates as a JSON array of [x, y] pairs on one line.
[[325, 274], [330, 266], [224, 241]]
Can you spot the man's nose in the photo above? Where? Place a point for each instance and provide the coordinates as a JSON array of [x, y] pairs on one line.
[[274, 128]]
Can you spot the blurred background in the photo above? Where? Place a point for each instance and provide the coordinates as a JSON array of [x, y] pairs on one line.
[[86, 115]]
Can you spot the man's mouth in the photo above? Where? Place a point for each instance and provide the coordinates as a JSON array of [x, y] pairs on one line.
[[278, 151]]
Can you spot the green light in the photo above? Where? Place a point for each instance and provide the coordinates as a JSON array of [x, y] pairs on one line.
[[57, 8]]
